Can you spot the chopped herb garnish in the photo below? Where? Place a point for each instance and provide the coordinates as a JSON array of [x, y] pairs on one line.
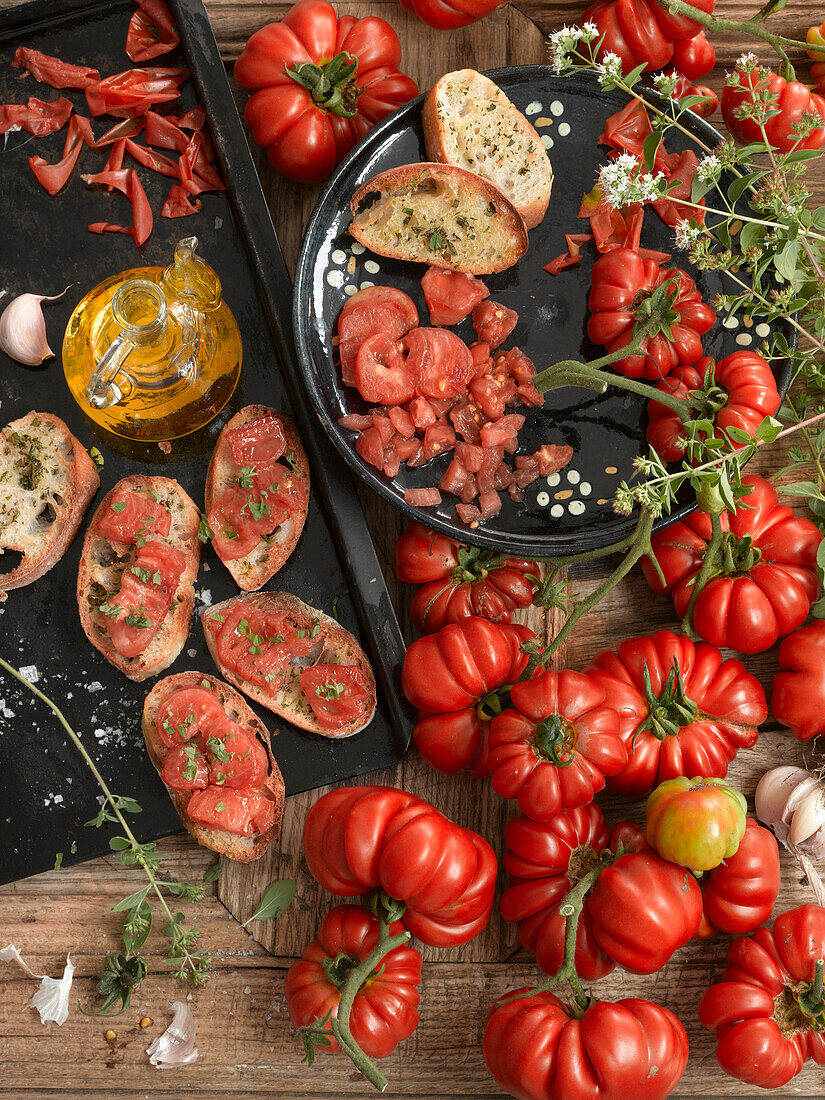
[[220, 807], [246, 477], [205, 532], [330, 690], [110, 609], [257, 508], [290, 461], [118, 506], [218, 749], [138, 618], [96, 457]]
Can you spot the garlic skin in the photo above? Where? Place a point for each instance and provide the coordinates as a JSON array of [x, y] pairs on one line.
[[176, 1047], [23, 329], [791, 801], [52, 998]]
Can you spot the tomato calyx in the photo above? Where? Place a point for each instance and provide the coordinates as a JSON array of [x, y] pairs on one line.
[[338, 970], [385, 907], [672, 710], [710, 398], [475, 565], [553, 737], [656, 312], [738, 555], [800, 1007], [331, 84]]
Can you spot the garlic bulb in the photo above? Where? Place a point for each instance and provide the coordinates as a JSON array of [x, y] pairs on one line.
[[23, 329], [791, 801], [176, 1047]]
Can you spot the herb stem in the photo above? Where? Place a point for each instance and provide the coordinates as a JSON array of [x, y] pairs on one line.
[[569, 372], [112, 801], [723, 25]]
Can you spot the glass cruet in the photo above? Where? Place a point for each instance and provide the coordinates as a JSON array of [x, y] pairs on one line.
[[154, 353]]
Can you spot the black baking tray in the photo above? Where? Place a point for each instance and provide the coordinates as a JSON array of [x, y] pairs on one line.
[[47, 793]]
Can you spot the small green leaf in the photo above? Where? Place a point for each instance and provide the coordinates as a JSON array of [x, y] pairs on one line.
[[119, 844], [276, 899], [213, 873], [132, 901]]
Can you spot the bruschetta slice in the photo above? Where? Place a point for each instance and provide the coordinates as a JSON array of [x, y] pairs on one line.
[[135, 586], [46, 483], [440, 215], [293, 659], [257, 494], [214, 755]]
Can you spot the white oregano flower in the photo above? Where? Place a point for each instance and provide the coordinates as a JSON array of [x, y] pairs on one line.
[[562, 43], [710, 168], [665, 82], [609, 69], [686, 233], [622, 181]]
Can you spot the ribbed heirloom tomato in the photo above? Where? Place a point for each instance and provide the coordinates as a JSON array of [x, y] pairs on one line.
[[684, 709], [359, 839], [385, 1010], [791, 100], [798, 699], [453, 677], [552, 748], [545, 861], [627, 291], [536, 1049], [458, 582], [739, 392], [694, 57], [641, 31], [764, 578], [768, 1010], [741, 892], [448, 16], [319, 84]]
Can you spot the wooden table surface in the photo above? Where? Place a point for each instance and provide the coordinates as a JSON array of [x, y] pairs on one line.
[[244, 1035]]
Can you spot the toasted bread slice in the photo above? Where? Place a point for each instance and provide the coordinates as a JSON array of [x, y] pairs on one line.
[[244, 849], [440, 215], [102, 562], [470, 122], [332, 644], [46, 483], [255, 569]]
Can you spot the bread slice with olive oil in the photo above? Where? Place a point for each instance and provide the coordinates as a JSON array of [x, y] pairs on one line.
[[46, 483], [243, 849], [470, 122], [440, 215], [331, 644], [103, 562], [252, 571]]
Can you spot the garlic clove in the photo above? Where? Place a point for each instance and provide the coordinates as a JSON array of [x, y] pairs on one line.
[[809, 787], [23, 329], [176, 1047], [772, 793], [808, 816]]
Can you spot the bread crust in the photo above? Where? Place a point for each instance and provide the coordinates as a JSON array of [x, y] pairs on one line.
[[470, 185], [102, 563], [437, 121], [243, 849], [332, 638], [68, 502], [253, 571]]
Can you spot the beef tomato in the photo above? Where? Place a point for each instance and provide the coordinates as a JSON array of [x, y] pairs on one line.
[[764, 577], [695, 822], [551, 749], [360, 839], [545, 861], [694, 57], [781, 103], [319, 84], [385, 1010], [631, 296], [737, 392], [457, 741], [768, 1011], [684, 709], [448, 15], [798, 698], [461, 581], [462, 663], [536, 1049], [641, 32], [741, 892]]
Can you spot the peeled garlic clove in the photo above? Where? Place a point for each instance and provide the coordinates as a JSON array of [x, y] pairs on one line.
[[23, 329], [773, 792], [808, 788], [176, 1047], [808, 816]]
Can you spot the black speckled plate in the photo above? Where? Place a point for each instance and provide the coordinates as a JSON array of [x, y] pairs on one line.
[[568, 512]]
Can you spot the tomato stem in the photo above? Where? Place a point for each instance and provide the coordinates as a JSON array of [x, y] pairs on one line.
[[331, 84], [552, 737], [638, 548], [357, 977], [672, 710], [706, 571], [592, 376]]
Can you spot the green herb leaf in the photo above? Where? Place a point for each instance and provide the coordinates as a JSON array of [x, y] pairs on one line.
[[275, 900]]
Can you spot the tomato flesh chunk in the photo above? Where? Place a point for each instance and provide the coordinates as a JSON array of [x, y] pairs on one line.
[[236, 758], [146, 592], [257, 443], [439, 362], [187, 713], [372, 310], [451, 295], [338, 694], [261, 648], [381, 372], [131, 515], [184, 769], [241, 812]]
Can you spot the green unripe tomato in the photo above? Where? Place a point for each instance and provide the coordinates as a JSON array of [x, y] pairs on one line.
[[695, 822]]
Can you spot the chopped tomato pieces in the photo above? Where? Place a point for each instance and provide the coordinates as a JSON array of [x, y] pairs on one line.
[[262, 648], [423, 497], [236, 758], [382, 373], [257, 443], [338, 694], [493, 323], [438, 361], [185, 769], [451, 295], [146, 591], [375, 309], [187, 713]]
